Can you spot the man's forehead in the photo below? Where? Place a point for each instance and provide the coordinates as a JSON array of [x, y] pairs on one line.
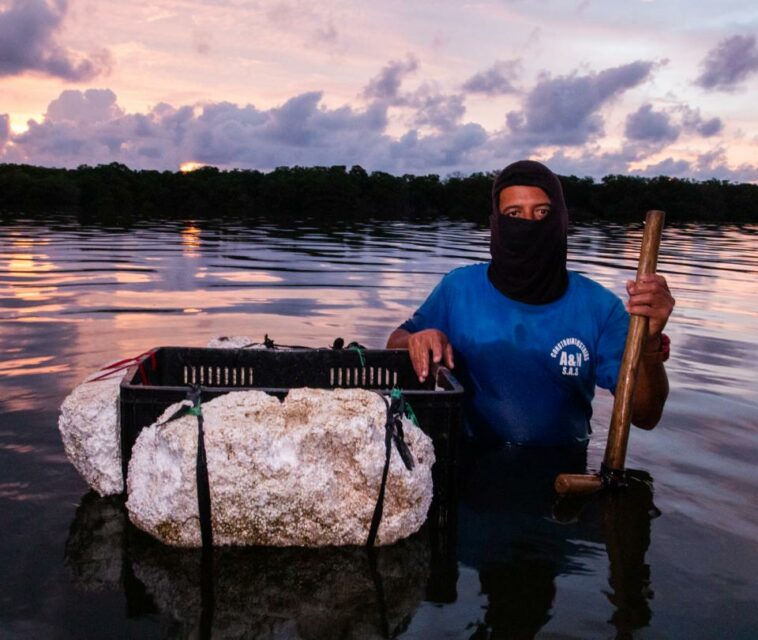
[[520, 193]]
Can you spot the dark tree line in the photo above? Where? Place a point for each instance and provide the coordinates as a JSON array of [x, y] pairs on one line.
[[115, 193]]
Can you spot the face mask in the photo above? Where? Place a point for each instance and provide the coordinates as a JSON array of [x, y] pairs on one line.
[[529, 257]]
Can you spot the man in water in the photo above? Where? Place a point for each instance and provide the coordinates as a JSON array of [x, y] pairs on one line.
[[529, 339]]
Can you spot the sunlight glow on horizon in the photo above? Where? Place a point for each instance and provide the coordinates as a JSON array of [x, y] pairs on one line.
[[187, 167]]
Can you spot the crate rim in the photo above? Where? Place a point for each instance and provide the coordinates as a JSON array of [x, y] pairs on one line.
[[132, 371]]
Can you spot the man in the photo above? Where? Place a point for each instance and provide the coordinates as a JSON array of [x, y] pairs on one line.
[[529, 339]]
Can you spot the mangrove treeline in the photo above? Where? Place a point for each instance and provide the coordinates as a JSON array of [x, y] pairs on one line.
[[115, 193]]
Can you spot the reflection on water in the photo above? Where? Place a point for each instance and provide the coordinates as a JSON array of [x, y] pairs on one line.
[[513, 533], [521, 540], [255, 592], [72, 298]]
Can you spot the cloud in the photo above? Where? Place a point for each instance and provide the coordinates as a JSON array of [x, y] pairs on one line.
[[730, 62], [497, 80], [89, 127], [668, 167], [692, 120], [386, 84], [435, 109], [563, 110], [598, 163], [93, 105], [307, 21], [326, 34], [449, 150], [595, 162], [706, 166], [659, 127], [534, 38], [429, 106], [201, 42], [710, 127], [5, 128], [426, 133], [301, 131], [713, 164], [646, 125], [28, 30]]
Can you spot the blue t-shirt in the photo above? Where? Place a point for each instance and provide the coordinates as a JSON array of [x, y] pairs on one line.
[[529, 370]]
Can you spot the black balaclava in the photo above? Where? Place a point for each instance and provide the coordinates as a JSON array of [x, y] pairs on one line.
[[529, 257]]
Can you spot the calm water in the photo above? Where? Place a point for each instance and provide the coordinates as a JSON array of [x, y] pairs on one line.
[[680, 563]]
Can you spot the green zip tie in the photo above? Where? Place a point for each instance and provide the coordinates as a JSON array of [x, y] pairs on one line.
[[359, 351], [195, 411], [409, 413]]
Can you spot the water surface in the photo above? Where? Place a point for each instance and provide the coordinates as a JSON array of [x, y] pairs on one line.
[[679, 562]]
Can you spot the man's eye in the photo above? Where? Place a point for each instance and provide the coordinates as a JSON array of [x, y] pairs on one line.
[[543, 212]]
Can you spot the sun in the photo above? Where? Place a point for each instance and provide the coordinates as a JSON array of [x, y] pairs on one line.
[[186, 167]]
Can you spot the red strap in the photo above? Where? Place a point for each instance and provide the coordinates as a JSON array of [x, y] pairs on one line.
[[121, 365]]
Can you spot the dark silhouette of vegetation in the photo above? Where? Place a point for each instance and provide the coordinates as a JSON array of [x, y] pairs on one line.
[[116, 194]]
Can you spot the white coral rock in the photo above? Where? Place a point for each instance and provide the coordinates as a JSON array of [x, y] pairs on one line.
[[89, 427], [234, 342], [302, 472]]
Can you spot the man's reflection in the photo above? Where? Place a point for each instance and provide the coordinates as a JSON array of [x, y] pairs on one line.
[[519, 538]]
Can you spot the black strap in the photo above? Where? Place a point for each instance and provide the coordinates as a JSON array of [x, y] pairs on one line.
[[201, 472], [201, 464], [399, 437], [207, 594], [393, 430], [381, 601], [379, 508], [207, 590]]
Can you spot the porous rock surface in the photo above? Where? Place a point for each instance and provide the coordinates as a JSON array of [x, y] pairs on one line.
[[89, 428], [303, 472], [234, 342]]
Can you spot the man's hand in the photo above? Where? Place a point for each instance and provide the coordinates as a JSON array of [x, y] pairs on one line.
[[420, 345], [651, 297]]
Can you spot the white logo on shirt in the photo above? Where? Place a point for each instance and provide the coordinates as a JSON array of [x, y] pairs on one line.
[[571, 354]]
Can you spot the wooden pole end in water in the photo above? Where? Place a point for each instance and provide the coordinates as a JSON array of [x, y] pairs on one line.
[[578, 484]]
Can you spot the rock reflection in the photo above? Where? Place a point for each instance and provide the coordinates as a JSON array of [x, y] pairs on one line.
[[521, 540], [256, 592], [96, 543]]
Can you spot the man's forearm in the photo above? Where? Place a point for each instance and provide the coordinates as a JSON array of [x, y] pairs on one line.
[[398, 339], [650, 393]]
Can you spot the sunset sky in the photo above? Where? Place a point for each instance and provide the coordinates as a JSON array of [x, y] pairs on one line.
[[591, 87]]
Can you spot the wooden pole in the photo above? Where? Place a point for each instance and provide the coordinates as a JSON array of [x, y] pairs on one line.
[[618, 432]]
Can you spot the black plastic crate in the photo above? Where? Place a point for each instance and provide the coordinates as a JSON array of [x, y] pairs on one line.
[[162, 377]]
